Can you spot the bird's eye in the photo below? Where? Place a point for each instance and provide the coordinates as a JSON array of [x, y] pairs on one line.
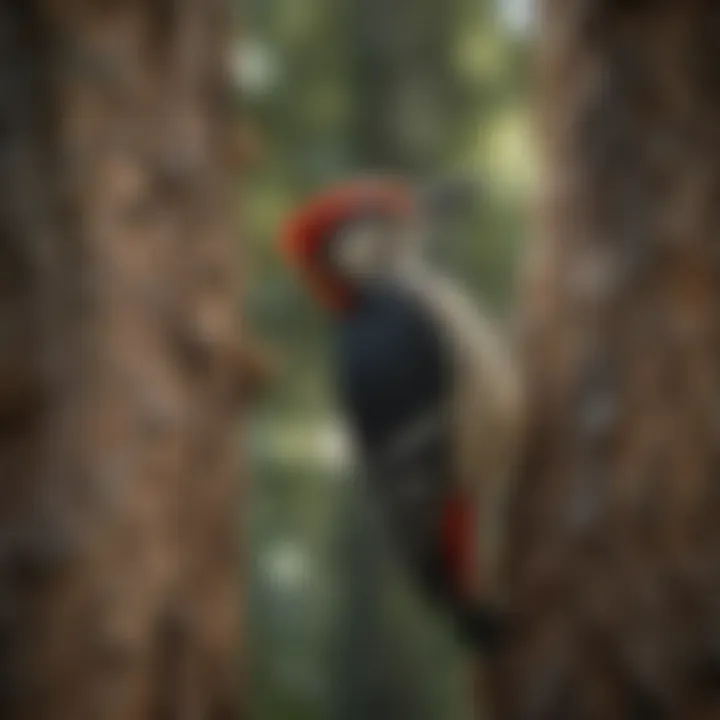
[[360, 251]]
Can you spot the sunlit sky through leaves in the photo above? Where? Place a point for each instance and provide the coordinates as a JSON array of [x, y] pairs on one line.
[[517, 15]]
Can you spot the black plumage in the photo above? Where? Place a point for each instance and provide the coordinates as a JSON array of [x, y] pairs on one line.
[[395, 380], [392, 363], [395, 377]]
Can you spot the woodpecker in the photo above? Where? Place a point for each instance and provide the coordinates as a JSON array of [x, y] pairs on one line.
[[431, 394]]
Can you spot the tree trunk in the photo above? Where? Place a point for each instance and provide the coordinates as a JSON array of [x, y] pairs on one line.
[[613, 565], [118, 363]]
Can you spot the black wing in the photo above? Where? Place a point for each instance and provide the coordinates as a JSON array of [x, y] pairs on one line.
[[392, 366], [395, 379]]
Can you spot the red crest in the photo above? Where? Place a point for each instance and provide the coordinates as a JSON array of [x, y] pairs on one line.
[[311, 227]]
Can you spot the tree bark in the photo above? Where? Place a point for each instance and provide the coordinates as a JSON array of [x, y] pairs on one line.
[[614, 535], [118, 363]]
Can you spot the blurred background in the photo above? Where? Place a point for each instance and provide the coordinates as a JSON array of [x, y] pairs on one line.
[[429, 89]]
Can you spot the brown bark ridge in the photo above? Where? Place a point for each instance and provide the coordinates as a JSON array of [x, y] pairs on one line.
[[614, 558], [118, 363]]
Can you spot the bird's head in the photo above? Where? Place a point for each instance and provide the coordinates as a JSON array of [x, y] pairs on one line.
[[349, 236]]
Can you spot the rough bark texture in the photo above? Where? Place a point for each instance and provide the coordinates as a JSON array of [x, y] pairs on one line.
[[614, 566], [118, 363]]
